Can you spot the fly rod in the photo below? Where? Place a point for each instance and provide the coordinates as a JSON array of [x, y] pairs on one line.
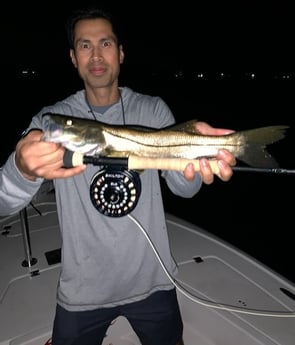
[[134, 162]]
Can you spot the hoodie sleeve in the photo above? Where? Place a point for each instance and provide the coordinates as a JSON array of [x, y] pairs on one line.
[[16, 191], [180, 186]]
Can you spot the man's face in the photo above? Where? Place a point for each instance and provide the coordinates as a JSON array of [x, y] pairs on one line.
[[96, 53]]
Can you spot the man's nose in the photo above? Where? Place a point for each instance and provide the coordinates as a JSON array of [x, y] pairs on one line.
[[96, 54]]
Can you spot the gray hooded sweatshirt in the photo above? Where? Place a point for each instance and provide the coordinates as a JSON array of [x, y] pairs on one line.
[[106, 261]]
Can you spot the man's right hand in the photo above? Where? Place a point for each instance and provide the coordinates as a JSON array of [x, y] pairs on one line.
[[36, 158]]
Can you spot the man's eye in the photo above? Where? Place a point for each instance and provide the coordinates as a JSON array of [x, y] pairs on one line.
[[84, 45], [106, 43]]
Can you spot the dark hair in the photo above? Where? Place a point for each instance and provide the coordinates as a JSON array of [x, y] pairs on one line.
[[87, 13]]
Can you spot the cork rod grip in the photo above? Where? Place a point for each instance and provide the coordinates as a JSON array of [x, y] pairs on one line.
[[72, 159], [136, 162]]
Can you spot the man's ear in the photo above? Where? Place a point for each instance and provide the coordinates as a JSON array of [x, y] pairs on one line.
[[73, 57], [121, 54]]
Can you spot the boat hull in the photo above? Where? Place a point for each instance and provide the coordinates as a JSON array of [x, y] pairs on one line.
[[213, 278]]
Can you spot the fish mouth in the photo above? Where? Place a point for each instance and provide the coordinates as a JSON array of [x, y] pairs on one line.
[[50, 128]]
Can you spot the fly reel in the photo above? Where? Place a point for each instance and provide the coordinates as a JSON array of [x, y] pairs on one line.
[[115, 191]]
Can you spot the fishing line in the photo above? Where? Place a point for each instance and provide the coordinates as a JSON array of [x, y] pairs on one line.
[[204, 302]]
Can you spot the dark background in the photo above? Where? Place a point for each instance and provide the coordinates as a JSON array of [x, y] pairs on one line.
[[245, 53]]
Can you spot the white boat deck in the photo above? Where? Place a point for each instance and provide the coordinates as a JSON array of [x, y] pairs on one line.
[[209, 269]]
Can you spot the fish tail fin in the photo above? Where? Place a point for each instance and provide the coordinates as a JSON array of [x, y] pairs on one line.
[[257, 139]]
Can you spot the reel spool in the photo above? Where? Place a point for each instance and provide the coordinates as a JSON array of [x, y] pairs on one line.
[[114, 191]]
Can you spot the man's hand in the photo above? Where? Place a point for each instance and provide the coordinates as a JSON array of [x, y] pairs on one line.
[[36, 158], [225, 159]]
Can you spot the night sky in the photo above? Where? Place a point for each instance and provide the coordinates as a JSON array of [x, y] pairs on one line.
[[244, 35]]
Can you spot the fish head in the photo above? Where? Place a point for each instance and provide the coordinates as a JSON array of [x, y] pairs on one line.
[[59, 129], [53, 128], [71, 132]]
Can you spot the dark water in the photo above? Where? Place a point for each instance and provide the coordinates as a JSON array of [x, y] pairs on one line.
[[252, 211]]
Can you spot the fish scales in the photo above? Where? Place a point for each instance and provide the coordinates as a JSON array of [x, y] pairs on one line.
[[169, 144]]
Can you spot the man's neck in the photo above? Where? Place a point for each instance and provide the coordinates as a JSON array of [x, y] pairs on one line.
[[102, 97]]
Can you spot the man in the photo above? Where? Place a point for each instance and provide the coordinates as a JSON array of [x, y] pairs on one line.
[[108, 267]]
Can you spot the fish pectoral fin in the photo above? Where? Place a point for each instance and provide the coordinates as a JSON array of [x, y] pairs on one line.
[[118, 154]]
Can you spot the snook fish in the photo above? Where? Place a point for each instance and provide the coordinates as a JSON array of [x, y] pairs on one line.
[[90, 137]]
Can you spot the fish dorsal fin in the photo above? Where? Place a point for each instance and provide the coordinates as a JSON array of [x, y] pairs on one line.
[[188, 127]]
